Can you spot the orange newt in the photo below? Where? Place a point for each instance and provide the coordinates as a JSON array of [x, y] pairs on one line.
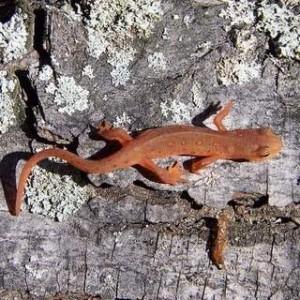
[[207, 145]]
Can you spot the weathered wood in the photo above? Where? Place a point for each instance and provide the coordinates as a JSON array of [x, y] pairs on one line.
[[135, 239], [110, 248]]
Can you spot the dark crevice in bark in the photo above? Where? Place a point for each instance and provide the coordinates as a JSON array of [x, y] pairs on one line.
[[262, 201], [31, 103], [40, 34], [105, 186], [7, 9]]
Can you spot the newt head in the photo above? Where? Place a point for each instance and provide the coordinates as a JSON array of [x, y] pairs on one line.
[[268, 145], [258, 144]]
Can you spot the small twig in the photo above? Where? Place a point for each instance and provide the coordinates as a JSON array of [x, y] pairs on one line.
[[220, 239]]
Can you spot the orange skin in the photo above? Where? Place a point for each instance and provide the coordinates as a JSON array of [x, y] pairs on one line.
[[207, 145]]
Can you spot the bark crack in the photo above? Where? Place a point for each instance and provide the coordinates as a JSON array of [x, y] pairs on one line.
[[252, 253], [225, 285], [117, 283], [85, 267], [178, 282], [159, 285], [171, 245], [204, 288], [156, 243], [57, 281], [256, 285]]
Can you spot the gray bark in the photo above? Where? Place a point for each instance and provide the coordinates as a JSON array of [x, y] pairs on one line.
[[135, 239]]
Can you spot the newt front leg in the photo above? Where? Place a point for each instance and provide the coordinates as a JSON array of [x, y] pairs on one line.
[[218, 120], [108, 132]]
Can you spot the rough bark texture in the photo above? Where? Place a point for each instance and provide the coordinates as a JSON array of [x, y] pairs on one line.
[[135, 239]]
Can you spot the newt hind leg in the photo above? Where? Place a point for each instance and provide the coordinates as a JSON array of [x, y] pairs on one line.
[[196, 164], [172, 175]]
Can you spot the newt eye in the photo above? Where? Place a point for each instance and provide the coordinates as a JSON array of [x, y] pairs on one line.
[[263, 151]]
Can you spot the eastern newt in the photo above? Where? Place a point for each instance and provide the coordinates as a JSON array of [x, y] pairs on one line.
[[206, 144]]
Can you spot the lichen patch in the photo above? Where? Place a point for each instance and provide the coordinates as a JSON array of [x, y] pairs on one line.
[[68, 95], [157, 61], [113, 25], [237, 71], [178, 111], [7, 104], [277, 20], [56, 192], [283, 27], [13, 38]]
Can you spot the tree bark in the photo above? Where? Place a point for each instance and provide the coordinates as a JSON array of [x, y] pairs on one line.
[[134, 239]]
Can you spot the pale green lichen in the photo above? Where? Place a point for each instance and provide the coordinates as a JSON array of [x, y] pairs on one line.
[[112, 25], [56, 192], [275, 19], [283, 27], [239, 13], [198, 94], [120, 21], [13, 38], [175, 110], [121, 60], [242, 27], [7, 111], [290, 3], [120, 75], [68, 96], [246, 42], [51, 88], [122, 121], [157, 61], [245, 66], [237, 70], [71, 14], [88, 71], [46, 73]]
